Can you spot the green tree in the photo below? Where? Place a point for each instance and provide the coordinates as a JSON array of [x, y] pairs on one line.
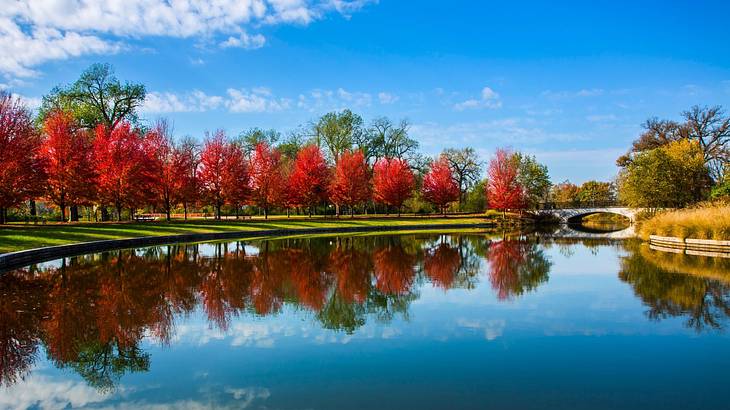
[[337, 131], [596, 191], [476, 200], [465, 169], [97, 97], [673, 175], [534, 178], [249, 139]]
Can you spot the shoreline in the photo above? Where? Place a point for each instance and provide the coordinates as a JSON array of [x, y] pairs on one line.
[[17, 259]]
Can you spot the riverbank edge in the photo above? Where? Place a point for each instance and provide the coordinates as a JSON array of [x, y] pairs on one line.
[[690, 246], [13, 260]]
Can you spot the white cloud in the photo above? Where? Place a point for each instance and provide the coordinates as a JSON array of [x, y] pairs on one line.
[[489, 99], [197, 101], [245, 41], [258, 99], [34, 32], [43, 392], [387, 98]]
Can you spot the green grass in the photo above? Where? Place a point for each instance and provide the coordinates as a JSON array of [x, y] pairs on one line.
[[17, 237]]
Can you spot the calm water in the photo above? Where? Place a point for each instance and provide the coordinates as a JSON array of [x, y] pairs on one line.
[[376, 322]]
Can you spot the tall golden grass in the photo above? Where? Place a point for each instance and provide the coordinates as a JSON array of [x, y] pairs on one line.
[[705, 221]]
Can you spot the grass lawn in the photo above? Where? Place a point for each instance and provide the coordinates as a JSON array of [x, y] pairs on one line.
[[15, 237]]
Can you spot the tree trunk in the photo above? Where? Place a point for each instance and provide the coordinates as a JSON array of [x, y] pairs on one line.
[[104, 214], [287, 212], [74, 209], [31, 207], [185, 210], [63, 211], [218, 212], [266, 213], [2, 216], [119, 213], [352, 212]]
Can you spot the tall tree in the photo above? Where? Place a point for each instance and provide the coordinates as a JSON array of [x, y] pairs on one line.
[[389, 140], [188, 156], [337, 131], [236, 178], [97, 97], [249, 139], [267, 180], [534, 179], [125, 167], [564, 192], [673, 175], [351, 185], [309, 178], [596, 191], [68, 157], [393, 182], [710, 127], [212, 170], [439, 186], [503, 189], [21, 176], [465, 167]]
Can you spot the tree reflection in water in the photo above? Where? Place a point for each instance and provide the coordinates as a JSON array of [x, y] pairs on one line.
[[91, 313], [694, 287]]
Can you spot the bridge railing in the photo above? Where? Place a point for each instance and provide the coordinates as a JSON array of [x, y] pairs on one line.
[[580, 205]]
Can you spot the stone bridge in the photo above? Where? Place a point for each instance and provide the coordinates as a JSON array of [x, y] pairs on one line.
[[572, 214]]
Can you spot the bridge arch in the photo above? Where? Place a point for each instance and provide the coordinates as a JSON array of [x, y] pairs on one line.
[[568, 214]]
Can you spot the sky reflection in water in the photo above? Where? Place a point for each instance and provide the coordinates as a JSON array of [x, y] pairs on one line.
[[397, 321]]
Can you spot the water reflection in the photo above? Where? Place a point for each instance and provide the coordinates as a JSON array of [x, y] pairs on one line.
[[695, 288], [91, 313]]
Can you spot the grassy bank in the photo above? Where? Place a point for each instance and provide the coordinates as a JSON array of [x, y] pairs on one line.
[[21, 236], [705, 222]]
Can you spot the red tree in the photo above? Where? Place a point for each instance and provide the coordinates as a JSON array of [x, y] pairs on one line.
[[68, 156], [235, 177], [309, 178], [351, 184], [267, 181], [503, 190], [126, 167], [212, 170], [439, 187], [21, 175], [393, 181], [188, 181], [164, 157]]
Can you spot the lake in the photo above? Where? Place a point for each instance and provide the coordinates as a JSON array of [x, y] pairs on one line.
[[430, 321]]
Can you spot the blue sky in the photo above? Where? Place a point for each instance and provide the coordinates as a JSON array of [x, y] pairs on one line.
[[570, 83]]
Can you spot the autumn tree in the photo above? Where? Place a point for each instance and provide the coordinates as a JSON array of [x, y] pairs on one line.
[[68, 157], [235, 177], [439, 186], [393, 182], [21, 176], [564, 192], [351, 185], [212, 169], [503, 189], [188, 181], [126, 167], [673, 175], [310, 177], [596, 192], [267, 182]]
